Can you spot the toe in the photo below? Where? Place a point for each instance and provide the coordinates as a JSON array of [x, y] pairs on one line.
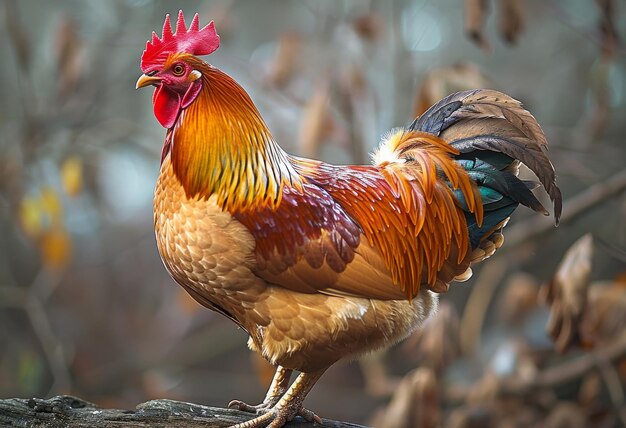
[[309, 416], [240, 405]]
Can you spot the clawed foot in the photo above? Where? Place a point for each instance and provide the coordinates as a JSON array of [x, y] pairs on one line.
[[281, 404], [259, 409], [272, 415]]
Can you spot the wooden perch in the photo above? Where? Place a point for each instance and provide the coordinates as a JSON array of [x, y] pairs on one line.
[[67, 411]]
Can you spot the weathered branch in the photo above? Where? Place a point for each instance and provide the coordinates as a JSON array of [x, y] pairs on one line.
[[64, 411]]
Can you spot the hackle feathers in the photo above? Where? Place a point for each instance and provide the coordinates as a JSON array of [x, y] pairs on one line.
[[221, 145]]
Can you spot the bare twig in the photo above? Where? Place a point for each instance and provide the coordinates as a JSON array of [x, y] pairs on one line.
[[50, 343], [535, 226], [551, 377], [562, 14], [32, 300], [558, 375], [476, 307], [613, 385]]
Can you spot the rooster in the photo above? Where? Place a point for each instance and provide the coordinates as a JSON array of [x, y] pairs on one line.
[[317, 262]]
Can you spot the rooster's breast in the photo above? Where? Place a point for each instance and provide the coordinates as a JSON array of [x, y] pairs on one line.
[[204, 248]]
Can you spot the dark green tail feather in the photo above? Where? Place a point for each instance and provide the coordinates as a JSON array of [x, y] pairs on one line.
[[490, 221], [501, 191]]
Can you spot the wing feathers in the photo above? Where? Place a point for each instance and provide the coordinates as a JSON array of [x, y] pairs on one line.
[[385, 230]]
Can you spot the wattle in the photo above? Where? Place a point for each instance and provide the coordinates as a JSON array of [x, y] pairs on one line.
[[166, 104]]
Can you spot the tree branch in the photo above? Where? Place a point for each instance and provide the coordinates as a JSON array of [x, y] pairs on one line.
[[63, 411], [567, 371], [524, 231], [551, 377]]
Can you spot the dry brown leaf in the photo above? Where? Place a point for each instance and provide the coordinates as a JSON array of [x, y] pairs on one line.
[[604, 318], [353, 81], [620, 279], [441, 82], [285, 62], [567, 294], [68, 55], [369, 26], [55, 246], [512, 19], [358, 105], [72, 175], [438, 341], [316, 122], [519, 298], [610, 37], [589, 390], [416, 402], [17, 35], [475, 17], [602, 88]]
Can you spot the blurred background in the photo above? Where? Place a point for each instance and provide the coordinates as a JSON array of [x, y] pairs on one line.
[[536, 337]]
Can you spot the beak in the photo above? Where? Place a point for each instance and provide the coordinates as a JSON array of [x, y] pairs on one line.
[[145, 80]]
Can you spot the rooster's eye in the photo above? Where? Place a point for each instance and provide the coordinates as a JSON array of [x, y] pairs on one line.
[[178, 70]]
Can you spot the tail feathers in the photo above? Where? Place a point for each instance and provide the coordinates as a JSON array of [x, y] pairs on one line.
[[495, 185], [490, 223], [483, 125]]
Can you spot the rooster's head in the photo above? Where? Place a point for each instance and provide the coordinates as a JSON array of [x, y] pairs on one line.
[[169, 63]]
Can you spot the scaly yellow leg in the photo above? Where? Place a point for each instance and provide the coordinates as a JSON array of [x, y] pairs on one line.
[[289, 406]]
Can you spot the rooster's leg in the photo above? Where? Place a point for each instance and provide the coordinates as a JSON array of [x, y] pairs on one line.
[[289, 406], [279, 386]]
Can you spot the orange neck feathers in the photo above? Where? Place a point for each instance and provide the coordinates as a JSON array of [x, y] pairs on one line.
[[221, 146]]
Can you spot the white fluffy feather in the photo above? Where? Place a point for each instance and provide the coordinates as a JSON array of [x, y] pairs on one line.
[[386, 153]]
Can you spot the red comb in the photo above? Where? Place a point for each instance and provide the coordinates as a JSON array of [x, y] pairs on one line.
[[190, 40]]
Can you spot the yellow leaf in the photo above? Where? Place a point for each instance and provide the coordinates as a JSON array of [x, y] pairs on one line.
[[30, 217], [50, 204], [443, 81], [72, 175], [285, 62], [315, 122], [56, 248]]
